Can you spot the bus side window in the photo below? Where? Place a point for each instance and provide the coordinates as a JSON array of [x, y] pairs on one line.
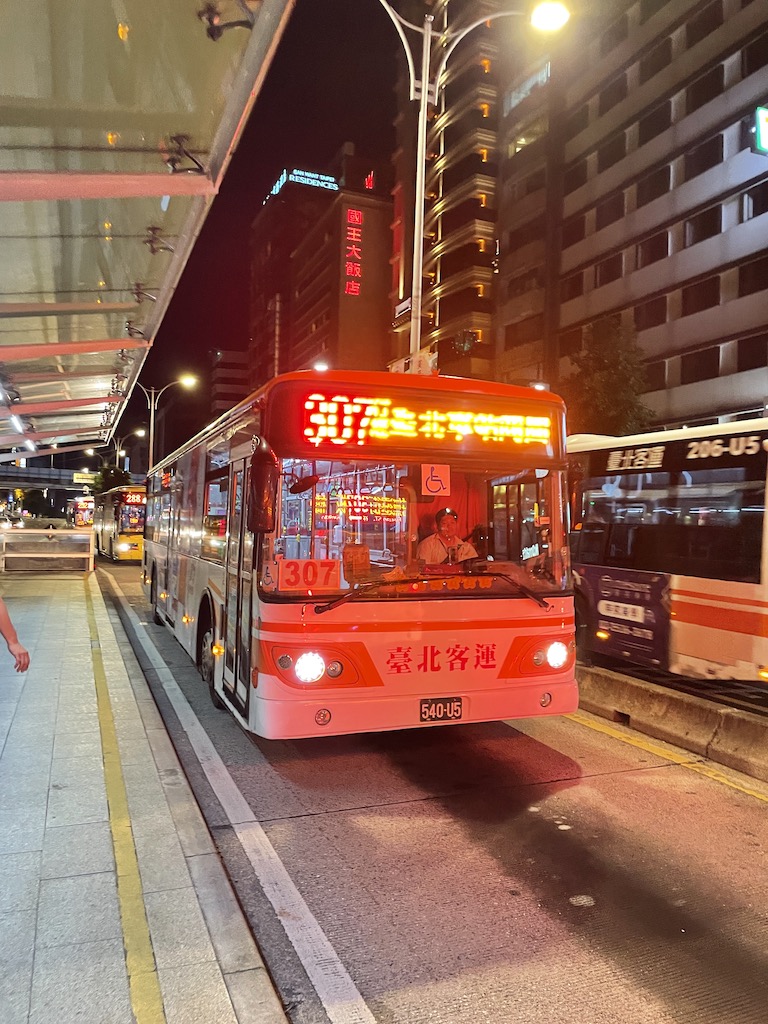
[[215, 519], [590, 544]]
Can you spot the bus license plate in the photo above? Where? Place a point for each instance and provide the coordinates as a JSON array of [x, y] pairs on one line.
[[440, 709]]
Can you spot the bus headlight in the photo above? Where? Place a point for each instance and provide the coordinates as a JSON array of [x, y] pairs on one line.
[[557, 654], [123, 546], [309, 667]]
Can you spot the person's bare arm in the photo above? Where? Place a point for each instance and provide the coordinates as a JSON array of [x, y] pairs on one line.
[[19, 653]]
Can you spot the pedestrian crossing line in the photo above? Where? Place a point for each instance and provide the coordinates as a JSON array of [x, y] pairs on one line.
[[143, 982]]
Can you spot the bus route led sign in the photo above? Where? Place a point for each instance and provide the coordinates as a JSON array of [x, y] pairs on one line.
[[336, 421]]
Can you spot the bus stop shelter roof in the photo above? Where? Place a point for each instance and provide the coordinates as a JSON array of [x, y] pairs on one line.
[[117, 122]]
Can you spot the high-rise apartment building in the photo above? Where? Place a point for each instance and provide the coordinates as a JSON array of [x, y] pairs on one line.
[[460, 214], [645, 141]]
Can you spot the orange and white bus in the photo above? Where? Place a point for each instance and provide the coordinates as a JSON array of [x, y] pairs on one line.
[[282, 550], [118, 522], [669, 549]]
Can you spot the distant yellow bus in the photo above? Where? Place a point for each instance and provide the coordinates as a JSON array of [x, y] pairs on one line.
[[118, 522]]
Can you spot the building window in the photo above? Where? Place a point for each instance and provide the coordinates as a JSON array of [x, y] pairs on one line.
[[574, 230], [655, 123], [655, 61], [569, 342], [485, 64], [754, 202], [655, 185], [656, 375], [752, 353], [704, 225], [609, 211], [485, 109], [530, 232], [703, 157], [652, 249], [704, 23], [696, 366], [575, 177], [704, 89], [648, 8], [609, 270], [753, 276], [572, 287], [613, 35], [577, 122], [523, 332], [535, 182], [651, 314], [613, 93], [702, 295], [613, 151], [755, 55], [526, 282]]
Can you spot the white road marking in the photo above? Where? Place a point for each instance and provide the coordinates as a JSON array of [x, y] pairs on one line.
[[337, 992]]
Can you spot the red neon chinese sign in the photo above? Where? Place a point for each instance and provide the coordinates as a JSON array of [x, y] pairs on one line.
[[353, 255]]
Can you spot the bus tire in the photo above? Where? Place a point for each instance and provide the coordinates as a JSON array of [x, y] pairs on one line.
[[156, 616], [205, 657]]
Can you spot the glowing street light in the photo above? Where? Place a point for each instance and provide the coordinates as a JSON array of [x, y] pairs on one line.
[[436, 48], [152, 396]]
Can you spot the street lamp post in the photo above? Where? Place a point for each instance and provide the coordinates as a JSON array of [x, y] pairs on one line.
[[152, 396], [436, 48]]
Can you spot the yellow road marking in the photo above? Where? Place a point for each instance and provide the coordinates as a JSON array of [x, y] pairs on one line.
[[669, 755], [143, 982]]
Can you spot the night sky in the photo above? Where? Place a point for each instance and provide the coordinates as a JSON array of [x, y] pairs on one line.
[[331, 81]]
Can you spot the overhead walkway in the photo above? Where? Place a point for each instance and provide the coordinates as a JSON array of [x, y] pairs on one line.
[[114, 905]]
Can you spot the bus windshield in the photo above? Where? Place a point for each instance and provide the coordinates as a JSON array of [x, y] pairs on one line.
[[428, 530]]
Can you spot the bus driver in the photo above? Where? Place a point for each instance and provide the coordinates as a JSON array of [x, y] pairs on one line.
[[445, 546]]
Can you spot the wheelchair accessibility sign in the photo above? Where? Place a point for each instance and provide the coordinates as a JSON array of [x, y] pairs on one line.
[[435, 480]]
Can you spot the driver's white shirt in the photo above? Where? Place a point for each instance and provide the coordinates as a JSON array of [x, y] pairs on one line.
[[434, 550]]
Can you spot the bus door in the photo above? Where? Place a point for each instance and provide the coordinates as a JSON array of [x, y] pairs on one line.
[[237, 610], [172, 554]]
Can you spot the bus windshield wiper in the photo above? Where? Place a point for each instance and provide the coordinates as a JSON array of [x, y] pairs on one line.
[[479, 567], [364, 588], [361, 588]]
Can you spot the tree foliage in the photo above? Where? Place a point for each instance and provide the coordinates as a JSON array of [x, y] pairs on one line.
[[36, 503], [110, 476], [603, 396]]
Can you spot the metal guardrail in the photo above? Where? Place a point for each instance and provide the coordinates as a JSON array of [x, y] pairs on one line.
[[46, 550]]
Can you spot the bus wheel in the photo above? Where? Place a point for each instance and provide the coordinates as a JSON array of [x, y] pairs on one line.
[[156, 617], [206, 657]]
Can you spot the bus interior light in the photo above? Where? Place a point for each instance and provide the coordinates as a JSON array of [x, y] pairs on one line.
[[217, 650], [557, 654], [309, 667]]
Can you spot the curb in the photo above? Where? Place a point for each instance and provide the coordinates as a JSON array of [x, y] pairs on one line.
[[728, 736]]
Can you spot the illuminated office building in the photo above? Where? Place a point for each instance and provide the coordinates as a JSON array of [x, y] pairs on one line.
[[644, 138], [321, 249]]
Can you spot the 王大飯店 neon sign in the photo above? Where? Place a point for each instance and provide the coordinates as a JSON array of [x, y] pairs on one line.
[[341, 420]]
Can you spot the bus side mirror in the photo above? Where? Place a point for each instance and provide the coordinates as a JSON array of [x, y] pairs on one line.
[[262, 488]]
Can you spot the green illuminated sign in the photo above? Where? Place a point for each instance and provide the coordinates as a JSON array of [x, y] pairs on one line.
[[761, 130]]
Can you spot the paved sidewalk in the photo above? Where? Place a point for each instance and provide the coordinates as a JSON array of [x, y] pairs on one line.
[[114, 906]]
